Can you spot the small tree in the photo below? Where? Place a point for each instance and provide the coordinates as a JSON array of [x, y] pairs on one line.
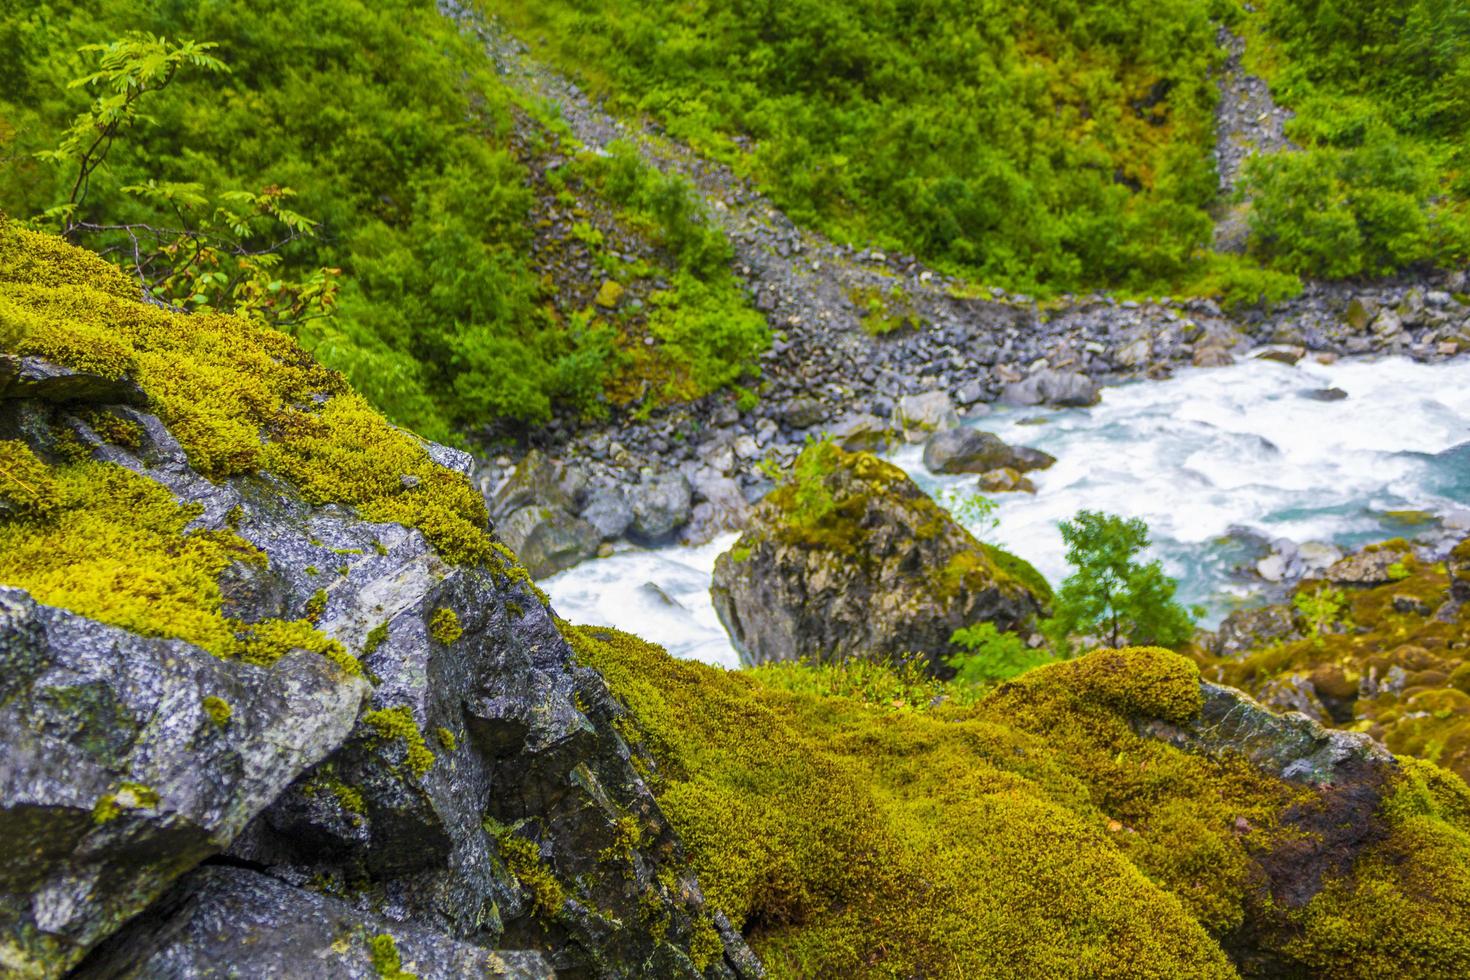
[[1112, 595], [222, 254], [986, 656]]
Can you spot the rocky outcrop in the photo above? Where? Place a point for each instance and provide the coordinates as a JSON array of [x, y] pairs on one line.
[[365, 699], [119, 769], [849, 557], [259, 926], [1048, 386]]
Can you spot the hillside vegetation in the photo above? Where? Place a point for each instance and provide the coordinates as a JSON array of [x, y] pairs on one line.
[[414, 163], [1059, 144]]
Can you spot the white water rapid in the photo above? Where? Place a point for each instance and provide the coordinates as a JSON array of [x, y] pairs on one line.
[[1207, 450]]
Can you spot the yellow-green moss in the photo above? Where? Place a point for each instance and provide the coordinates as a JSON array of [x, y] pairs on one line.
[[218, 710], [315, 606], [116, 430], [128, 796], [26, 486], [386, 961], [523, 858], [847, 837], [446, 739], [376, 637], [397, 724], [238, 396], [444, 626]]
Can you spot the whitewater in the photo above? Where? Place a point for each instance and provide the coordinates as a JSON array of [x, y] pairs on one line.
[[1249, 447]]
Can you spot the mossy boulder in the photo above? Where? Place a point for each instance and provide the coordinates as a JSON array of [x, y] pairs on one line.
[[848, 557], [255, 534], [1111, 816]]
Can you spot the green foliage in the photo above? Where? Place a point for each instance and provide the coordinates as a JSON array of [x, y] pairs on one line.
[[972, 509], [396, 134], [1382, 113], [1321, 608], [1056, 144], [1112, 595], [987, 656], [810, 501]]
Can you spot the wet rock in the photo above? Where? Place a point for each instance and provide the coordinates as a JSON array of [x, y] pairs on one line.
[[1212, 356], [864, 434], [225, 921], [1245, 630], [32, 377], [537, 480], [720, 508], [889, 574], [1293, 692], [1325, 394], [1005, 480], [803, 412], [919, 416], [1026, 459], [966, 451], [609, 512], [661, 505], [548, 540], [1052, 387], [1281, 355], [114, 776]]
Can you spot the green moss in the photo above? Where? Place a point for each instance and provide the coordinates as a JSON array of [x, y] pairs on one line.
[[446, 739], [315, 606], [523, 858], [238, 396], [397, 725], [218, 710], [26, 486], [376, 637], [128, 796], [444, 626], [846, 834], [386, 961]]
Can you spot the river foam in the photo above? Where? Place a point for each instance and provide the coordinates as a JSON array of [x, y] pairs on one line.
[[1195, 455]]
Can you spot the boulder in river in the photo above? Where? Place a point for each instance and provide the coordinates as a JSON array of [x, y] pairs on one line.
[[967, 450], [661, 505], [920, 416], [848, 557], [1050, 386], [549, 540]]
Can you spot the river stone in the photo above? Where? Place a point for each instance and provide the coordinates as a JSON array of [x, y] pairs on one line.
[[548, 540], [803, 412], [1050, 386], [966, 451], [863, 433], [1364, 568], [1005, 480], [536, 480], [877, 582], [608, 511], [1281, 355], [115, 779], [1026, 459], [721, 508], [661, 505], [1245, 630], [234, 922], [1212, 356], [919, 416], [1325, 394]]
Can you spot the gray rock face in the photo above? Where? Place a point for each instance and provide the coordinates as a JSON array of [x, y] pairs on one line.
[[965, 451], [889, 575], [536, 480], [1364, 568], [609, 512], [481, 794], [974, 451], [1052, 387], [224, 921], [548, 540], [863, 433], [1248, 629], [661, 506], [918, 416], [114, 778], [720, 508]]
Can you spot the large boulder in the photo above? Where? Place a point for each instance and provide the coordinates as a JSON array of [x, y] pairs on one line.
[[661, 505], [548, 540], [863, 433], [227, 921], [119, 769], [920, 416], [608, 511], [848, 557], [967, 450], [1050, 386]]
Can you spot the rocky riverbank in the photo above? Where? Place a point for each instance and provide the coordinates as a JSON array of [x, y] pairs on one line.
[[857, 330]]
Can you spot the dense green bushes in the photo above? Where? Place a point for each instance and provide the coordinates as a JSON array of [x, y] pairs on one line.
[[1382, 96], [1045, 144], [396, 135]]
